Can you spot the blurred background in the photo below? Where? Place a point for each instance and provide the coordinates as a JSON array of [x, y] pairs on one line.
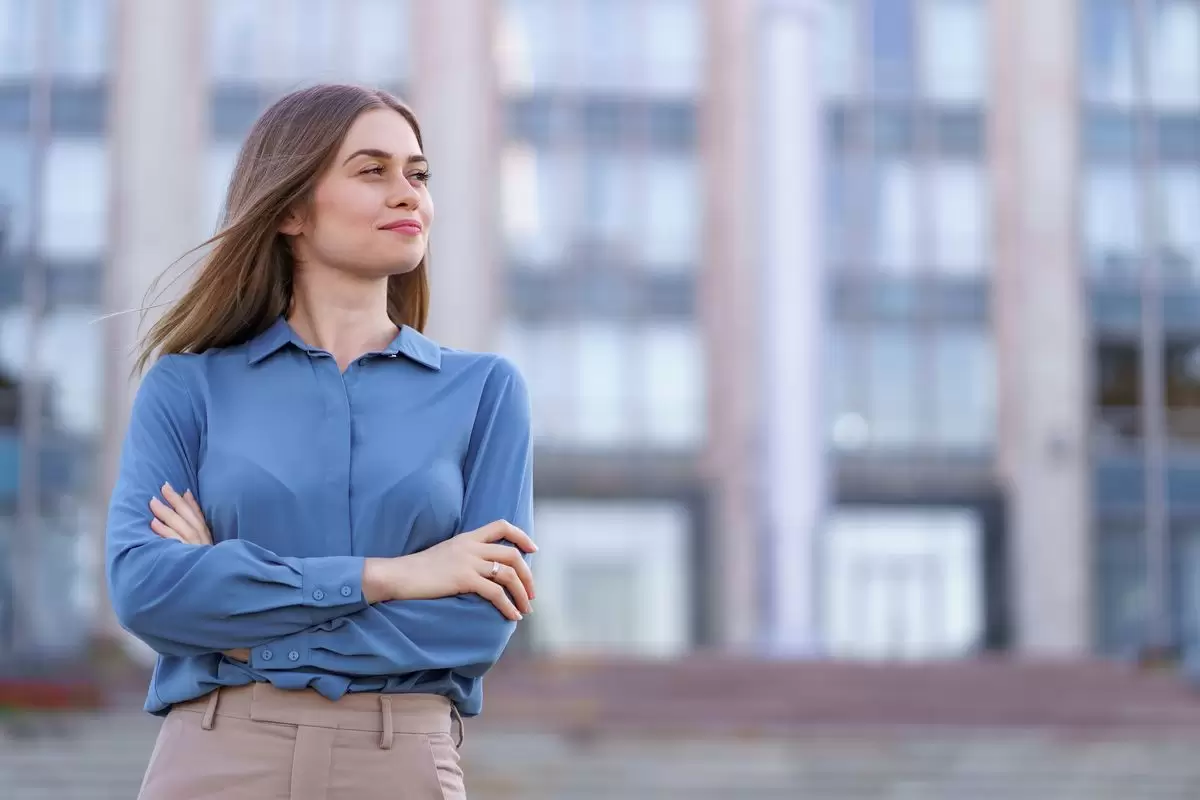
[[864, 344]]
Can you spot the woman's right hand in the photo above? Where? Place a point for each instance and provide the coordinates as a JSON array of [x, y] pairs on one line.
[[460, 565]]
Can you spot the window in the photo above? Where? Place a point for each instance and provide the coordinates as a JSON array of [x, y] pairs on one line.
[[601, 366], [536, 204], [893, 414], [965, 388], [381, 41], [960, 216], [1174, 53], [533, 45], [81, 37], [15, 164], [222, 158], [608, 214], [892, 46], [543, 353], [309, 43], [613, 577], [839, 48], [895, 221], [1108, 51], [954, 51], [605, 33], [238, 46], [1112, 222], [903, 583], [75, 212], [18, 35], [670, 211], [673, 44], [1179, 201], [672, 381]]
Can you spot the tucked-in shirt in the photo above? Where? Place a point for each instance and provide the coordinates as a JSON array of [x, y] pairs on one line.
[[302, 472]]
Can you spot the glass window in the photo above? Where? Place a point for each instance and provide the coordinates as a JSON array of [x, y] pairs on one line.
[[954, 51], [671, 208], [532, 46], [672, 360], [960, 216], [839, 48], [74, 223], [15, 164], [673, 43], [536, 204], [1108, 51], [70, 352], [604, 31], [608, 215], [238, 46], [1180, 201], [18, 28], [965, 386], [602, 373], [544, 354], [1111, 221], [81, 37], [381, 41], [1174, 53], [893, 417], [310, 46], [892, 46], [895, 240], [222, 157]]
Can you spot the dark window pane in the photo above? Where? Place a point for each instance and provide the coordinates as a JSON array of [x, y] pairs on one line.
[[959, 132], [601, 123], [14, 107], [79, 109], [672, 125], [532, 119], [1179, 138], [1121, 595], [1117, 375], [234, 109], [1109, 135], [892, 46], [895, 131], [1108, 51]]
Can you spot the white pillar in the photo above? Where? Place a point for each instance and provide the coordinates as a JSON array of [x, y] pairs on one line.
[[158, 119], [793, 328]]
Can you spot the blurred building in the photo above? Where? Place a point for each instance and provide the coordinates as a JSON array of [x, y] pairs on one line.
[[835, 312]]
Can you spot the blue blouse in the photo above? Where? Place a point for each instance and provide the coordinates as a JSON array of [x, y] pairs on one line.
[[303, 471]]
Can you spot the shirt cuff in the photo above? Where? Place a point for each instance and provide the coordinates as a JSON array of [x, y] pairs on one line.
[[287, 652], [333, 582]]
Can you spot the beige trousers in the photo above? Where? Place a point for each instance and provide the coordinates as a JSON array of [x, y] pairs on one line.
[[261, 743]]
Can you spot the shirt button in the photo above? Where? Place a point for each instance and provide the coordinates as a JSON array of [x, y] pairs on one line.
[[293, 656], [318, 595], [346, 591], [267, 655]]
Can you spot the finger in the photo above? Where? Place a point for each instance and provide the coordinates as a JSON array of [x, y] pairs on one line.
[[502, 529], [190, 499], [172, 520], [508, 578], [183, 508], [512, 557], [163, 531], [494, 594]]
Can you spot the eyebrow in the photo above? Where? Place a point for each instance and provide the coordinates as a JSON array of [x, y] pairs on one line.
[[384, 154]]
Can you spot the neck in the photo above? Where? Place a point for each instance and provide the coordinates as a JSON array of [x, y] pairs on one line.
[[341, 314]]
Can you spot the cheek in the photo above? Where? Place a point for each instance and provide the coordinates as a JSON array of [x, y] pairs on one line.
[[345, 214]]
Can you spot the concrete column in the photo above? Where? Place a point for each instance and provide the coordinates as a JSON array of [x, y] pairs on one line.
[[455, 95], [158, 131], [729, 300], [792, 329], [1041, 323]]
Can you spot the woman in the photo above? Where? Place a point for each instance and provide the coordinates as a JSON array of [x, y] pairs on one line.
[[318, 521]]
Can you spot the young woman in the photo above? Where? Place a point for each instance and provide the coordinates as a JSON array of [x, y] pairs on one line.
[[320, 518]]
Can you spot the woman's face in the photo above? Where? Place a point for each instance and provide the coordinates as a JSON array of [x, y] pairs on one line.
[[370, 211]]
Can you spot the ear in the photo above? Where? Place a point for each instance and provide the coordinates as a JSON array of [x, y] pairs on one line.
[[293, 223]]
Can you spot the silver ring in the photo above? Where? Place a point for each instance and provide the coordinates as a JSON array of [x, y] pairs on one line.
[[495, 569]]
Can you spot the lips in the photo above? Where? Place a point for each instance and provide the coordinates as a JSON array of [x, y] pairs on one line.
[[409, 226]]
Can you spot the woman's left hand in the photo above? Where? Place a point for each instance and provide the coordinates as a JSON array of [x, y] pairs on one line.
[[182, 520]]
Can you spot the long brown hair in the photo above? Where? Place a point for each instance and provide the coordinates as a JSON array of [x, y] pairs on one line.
[[245, 281]]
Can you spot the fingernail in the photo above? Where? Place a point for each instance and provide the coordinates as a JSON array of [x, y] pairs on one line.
[[166, 487], [520, 616]]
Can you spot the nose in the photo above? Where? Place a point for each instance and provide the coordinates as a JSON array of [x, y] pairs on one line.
[[405, 195]]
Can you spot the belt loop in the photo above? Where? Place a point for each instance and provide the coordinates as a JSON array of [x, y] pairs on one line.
[[462, 730], [385, 709], [210, 710]]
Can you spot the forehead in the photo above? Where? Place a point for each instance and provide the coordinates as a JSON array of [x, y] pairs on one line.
[[381, 129]]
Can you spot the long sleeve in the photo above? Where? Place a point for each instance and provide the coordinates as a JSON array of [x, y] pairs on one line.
[[465, 633], [189, 600]]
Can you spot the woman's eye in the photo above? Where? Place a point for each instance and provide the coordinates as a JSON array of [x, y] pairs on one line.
[[420, 177], [376, 170]]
